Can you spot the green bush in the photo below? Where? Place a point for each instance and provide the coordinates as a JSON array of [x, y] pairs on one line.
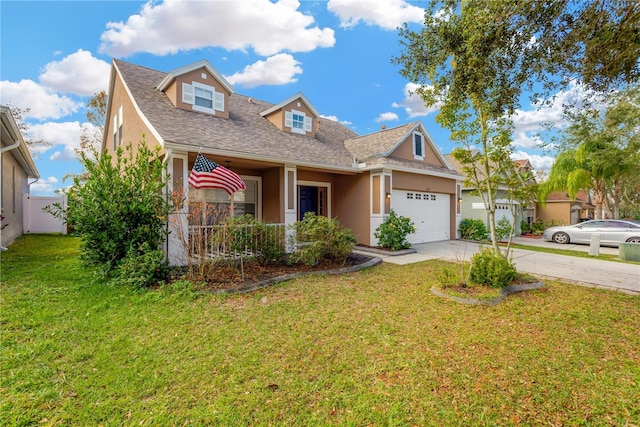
[[491, 269], [525, 227], [538, 227], [270, 247], [393, 232], [143, 267], [318, 238], [246, 234], [473, 229], [117, 205], [503, 228], [448, 277]]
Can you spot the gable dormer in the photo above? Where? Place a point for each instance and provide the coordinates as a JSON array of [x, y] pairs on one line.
[[294, 115], [416, 144], [198, 87]]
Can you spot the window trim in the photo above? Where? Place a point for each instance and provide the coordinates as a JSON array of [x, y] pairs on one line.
[[189, 97], [417, 156], [307, 122]]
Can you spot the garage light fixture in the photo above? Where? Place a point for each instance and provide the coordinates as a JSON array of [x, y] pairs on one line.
[[388, 195]]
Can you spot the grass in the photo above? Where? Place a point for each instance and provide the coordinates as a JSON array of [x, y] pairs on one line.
[[367, 348]]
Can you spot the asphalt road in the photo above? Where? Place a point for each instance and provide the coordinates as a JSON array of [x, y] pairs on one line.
[[623, 277]]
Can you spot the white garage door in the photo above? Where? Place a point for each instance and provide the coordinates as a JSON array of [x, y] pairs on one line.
[[430, 213], [503, 211]]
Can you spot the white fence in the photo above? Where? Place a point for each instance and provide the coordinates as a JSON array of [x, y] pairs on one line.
[[210, 241], [36, 220]]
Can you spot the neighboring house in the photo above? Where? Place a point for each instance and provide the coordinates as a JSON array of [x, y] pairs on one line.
[[561, 209], [17, 167], [473, 207], [292, 160]]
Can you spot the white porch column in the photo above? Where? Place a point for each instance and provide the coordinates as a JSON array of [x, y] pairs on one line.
[[290, 202], [178, 225], [380, 185]]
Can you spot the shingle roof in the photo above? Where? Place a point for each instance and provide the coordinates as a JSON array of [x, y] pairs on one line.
[[369, 146], [245, 132], [413, 164], [562, 196]]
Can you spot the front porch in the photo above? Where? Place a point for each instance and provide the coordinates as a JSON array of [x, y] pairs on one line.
[[277, 195]]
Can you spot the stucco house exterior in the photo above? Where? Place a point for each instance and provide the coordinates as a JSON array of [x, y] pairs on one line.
[[561, 209], [292, 160], [472, 206], [17, 167]]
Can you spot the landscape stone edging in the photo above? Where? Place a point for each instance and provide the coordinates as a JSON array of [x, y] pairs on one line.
[[506, 291], [368, 250], [263, 284]]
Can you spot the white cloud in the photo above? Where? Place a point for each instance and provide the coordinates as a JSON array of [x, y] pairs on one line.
[[387, 117], [413, 105], [64, 137], [388, 14], [79, 73], [538, 162], [526, 141], [173, 26], [279, 69], [549, 112], [43, 104], [43, 186], [335, 119]]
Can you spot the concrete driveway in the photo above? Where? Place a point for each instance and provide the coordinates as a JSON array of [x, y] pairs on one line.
[[582, 271]]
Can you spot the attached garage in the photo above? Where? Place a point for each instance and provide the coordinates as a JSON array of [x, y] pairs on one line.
[[429, 212]]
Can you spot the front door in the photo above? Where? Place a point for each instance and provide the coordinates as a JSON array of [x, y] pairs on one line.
[[311, 199]]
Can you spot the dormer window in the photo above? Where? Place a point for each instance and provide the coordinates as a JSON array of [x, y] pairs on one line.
[[202, 97], [418, 146], [297, 121]]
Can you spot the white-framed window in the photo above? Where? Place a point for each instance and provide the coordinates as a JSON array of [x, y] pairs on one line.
[[202, 97], [418, 146], [210, 206], [117, 129], [297, 121]]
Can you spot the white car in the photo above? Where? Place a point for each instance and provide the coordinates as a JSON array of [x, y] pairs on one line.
[[611, 231]]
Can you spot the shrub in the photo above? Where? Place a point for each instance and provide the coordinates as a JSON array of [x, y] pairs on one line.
[[473, 229], [318, 238], [246, 234], [538, 227], [393, 232], [447, 277], [270, 247], [503, 228], [525, 227], [143, 267], [117, 205], [492, 269]]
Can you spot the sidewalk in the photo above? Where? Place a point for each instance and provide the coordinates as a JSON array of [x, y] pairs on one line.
[[582, 271]]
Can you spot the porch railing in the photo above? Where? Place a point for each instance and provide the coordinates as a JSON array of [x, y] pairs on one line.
[[211, 241]]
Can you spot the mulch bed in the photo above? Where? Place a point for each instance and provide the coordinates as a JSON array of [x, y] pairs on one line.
[[227, 276]]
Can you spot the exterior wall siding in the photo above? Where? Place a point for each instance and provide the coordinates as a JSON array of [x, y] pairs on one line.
[[558, 212], [273, 195], [351, 204], [12, 206], [133, 127], [405, 151]]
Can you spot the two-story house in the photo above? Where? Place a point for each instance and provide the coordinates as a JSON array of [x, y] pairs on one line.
[[291, 159]]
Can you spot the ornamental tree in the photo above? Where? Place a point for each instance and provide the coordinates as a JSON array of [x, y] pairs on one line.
[[474, 59]]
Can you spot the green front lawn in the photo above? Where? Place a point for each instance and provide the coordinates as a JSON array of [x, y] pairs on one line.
[[367, 348]]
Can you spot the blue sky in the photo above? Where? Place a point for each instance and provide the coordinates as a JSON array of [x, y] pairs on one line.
[[55, 55]]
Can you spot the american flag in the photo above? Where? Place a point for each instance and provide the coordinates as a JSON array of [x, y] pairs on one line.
[[208, 174]]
